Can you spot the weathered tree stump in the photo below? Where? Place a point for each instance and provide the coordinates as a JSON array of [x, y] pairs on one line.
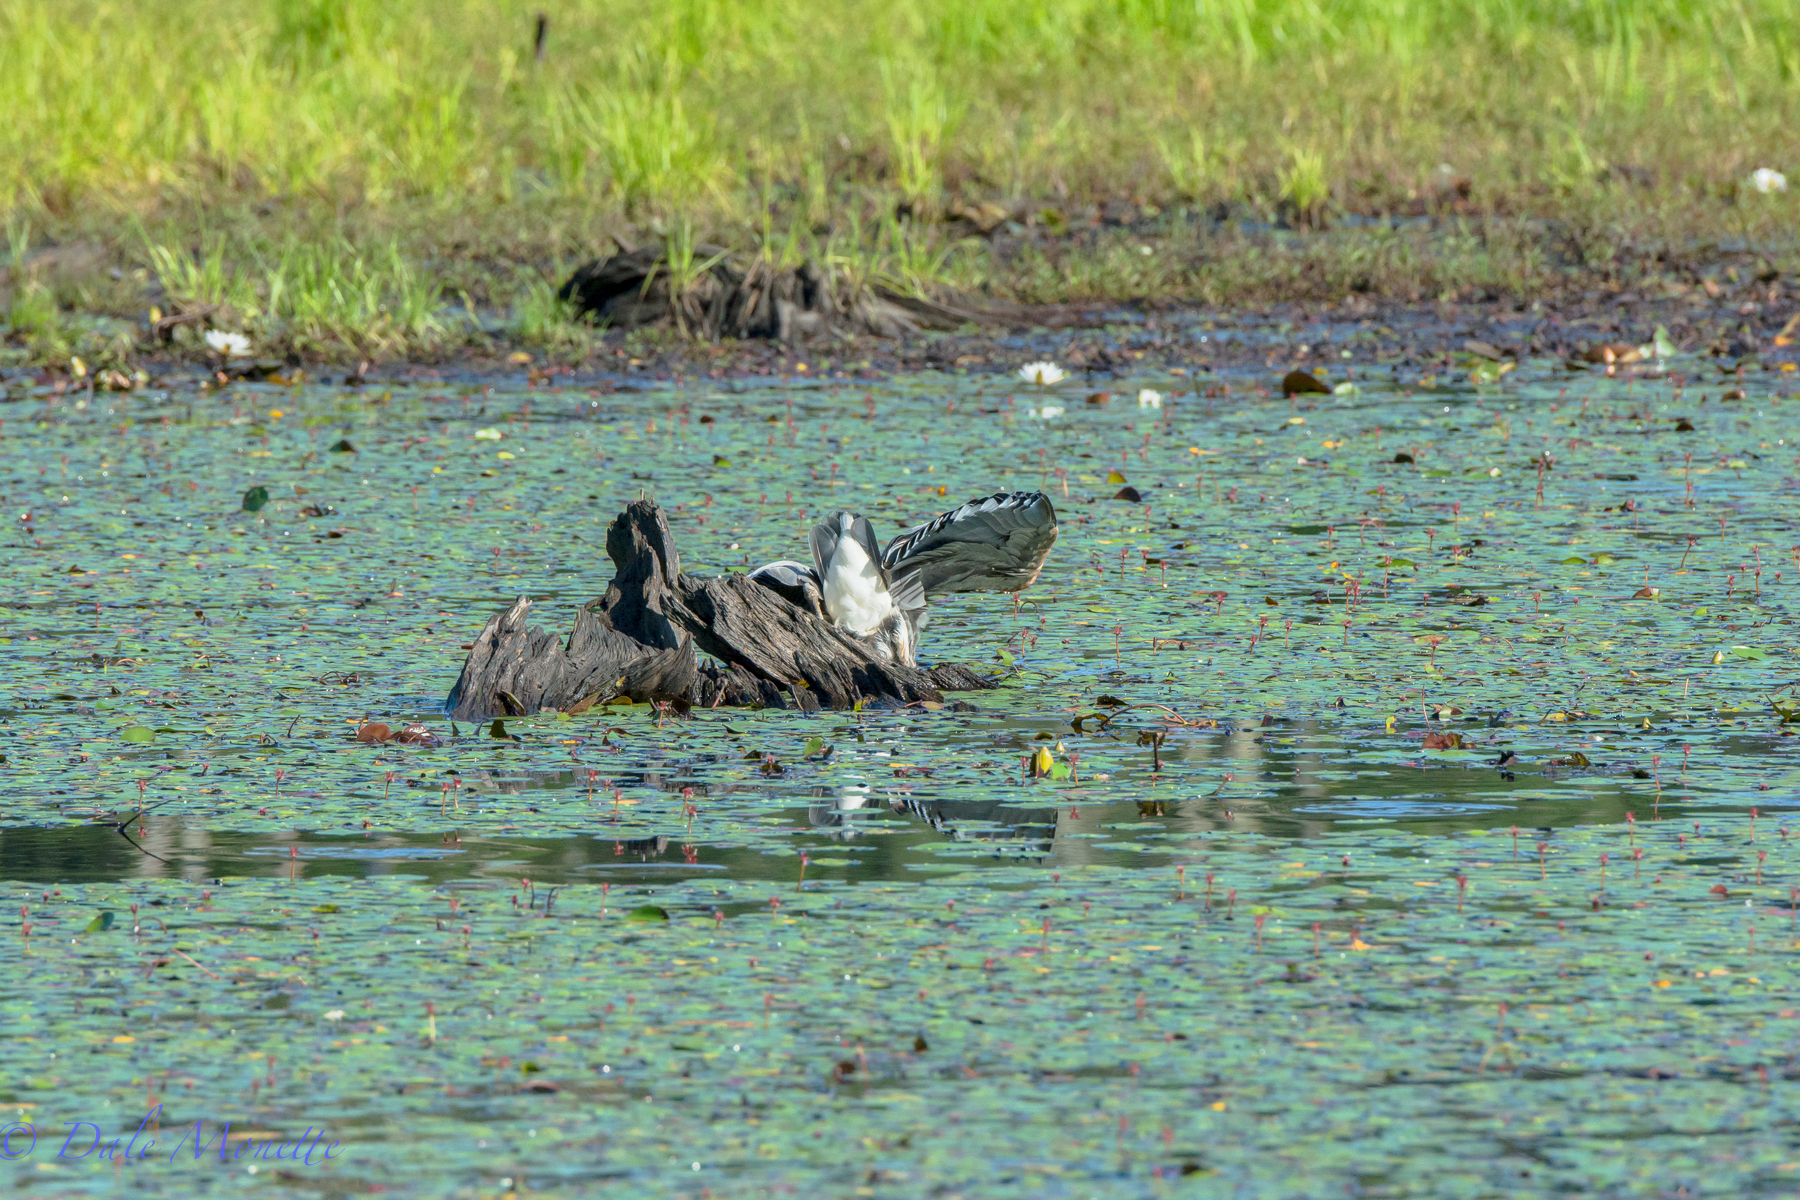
[[751, 298], [637, 642]]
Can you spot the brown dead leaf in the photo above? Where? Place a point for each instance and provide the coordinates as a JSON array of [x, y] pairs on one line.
[[1299, 383], [1612, 353], [985, 216]]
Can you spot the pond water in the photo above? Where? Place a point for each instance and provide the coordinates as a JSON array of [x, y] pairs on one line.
[[1503, 623]]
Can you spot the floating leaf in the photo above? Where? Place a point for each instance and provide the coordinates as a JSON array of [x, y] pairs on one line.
[[1484, 372]]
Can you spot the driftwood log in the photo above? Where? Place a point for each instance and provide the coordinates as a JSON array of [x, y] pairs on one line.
[[637, 642], [751, 298]]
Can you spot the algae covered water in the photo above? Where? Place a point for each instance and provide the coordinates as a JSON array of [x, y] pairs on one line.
[[1398, 834]]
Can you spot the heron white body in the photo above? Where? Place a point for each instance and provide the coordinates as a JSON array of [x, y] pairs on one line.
[[855, 595]]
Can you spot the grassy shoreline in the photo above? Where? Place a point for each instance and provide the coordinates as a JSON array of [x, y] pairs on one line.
[[340, 179]]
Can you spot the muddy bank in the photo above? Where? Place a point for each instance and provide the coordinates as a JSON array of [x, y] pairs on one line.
[[1256, 295], [649, 314], [1753, 326]]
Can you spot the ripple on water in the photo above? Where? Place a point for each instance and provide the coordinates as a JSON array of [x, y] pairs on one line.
[[1365, 811]]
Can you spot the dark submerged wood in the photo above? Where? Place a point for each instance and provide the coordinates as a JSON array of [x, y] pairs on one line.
[[751, 298], [637, 641]]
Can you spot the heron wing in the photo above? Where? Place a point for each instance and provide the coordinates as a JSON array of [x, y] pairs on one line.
[[794, 582], [864, 533], [992, 543], [824, 538], [907, 587]]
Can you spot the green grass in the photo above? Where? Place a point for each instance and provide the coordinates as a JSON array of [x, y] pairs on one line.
[[336, 172]]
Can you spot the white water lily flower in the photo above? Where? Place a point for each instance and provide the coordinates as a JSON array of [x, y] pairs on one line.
[[1149, 399], [1768, 181], [336, 1014], [1048, 412], [231, 345], [1041, 373], [487, 435]]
